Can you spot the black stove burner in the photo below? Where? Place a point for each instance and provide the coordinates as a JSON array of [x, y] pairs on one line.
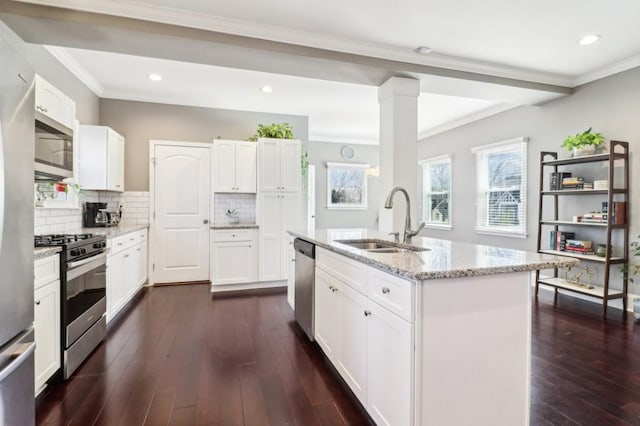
[[59, 239]]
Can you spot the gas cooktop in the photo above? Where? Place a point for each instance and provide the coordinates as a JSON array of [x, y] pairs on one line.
[[65, 239]]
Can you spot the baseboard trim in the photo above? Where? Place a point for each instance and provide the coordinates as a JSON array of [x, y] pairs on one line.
[[269, 287], [182, 283]]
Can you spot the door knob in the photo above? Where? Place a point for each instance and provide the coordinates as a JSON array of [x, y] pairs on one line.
[[205, 221]]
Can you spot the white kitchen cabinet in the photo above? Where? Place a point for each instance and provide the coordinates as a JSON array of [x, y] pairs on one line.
[[371, 346], [234, 256], [277, 213], [235, 166], [279, 165], [101, 164], [291, 278], [46, 319], [54, 104], [389, 367], [126, 269], [327, 321]]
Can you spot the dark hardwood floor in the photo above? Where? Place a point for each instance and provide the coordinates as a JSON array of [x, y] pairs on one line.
[[179, 356]]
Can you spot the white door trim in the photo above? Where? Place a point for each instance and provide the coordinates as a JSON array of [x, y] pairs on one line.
[[151, 235]]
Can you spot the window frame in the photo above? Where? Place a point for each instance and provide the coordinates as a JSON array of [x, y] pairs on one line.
[[481, 154], [423, 164], [337, 206]]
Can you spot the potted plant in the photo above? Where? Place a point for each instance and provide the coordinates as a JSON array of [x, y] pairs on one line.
[[274, 131], [584, 143], [233, 216]]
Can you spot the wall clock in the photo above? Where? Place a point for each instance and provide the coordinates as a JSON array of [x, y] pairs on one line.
[[347, 152]]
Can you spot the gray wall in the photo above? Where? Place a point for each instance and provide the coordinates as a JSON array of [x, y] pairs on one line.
[[319, 154], [87, 103], [610, 105], [140, 122]]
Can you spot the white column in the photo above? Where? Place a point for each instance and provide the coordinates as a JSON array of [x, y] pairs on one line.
[[398, 98]]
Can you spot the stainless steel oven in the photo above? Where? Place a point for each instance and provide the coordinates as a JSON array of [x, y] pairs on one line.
[[54, 149]]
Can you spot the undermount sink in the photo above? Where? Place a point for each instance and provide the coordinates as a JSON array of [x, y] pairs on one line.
[[378, 246]]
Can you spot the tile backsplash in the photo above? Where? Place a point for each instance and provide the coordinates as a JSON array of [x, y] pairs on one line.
[[135, 211], [245, 204]]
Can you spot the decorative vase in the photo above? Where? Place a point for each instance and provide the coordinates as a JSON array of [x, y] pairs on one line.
[[601, 250], [584, 150]]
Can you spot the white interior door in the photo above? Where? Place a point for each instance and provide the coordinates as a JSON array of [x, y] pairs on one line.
[[311, 197], [181, 192]]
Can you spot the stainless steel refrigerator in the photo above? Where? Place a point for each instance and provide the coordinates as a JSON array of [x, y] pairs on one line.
[[17, 136]]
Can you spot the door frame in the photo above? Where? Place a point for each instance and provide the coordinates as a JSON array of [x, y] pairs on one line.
[[152, 174]]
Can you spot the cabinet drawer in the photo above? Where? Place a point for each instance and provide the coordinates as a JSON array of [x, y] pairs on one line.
[[46, 270], [393, 293], [232, 235], [117, 244], [349, 271]]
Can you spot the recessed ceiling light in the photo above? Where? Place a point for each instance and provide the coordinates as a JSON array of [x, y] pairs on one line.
[[423, 50], [154, 77], [589, 39], [267, 89]]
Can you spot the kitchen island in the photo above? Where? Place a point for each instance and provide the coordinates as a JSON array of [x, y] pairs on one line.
[[436, 333]]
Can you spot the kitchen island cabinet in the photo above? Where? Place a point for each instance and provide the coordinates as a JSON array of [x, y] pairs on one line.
[[396, 327]]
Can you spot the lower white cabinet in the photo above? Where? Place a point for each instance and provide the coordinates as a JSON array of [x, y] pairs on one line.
[[126, 269], [46, 320], [291, 278], [234, 256], [371, 347]]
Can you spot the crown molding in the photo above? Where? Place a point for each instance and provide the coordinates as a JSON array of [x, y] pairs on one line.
[[488, 112], [65, 58], [624, 65], [342, 141]]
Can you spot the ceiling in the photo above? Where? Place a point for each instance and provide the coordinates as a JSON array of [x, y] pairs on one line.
[[487, 56]]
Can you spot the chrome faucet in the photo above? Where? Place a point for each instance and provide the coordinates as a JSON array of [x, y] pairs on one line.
[[408, 232]]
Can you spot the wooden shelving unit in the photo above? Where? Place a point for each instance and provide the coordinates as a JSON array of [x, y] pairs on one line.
[[549, 162]]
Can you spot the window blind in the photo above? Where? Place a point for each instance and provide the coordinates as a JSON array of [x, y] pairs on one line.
[[436, 191], [501, 173]]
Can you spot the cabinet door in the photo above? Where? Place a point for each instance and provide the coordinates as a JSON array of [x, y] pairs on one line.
[[142, 263], [68, 112], [270, 263], [49, 100], [131, 260], [352, 358], [47, 332], [224, 171], [233, 263], [291, 279], [115, 284], [115, 161], [327, 321], [246, 166], [289, 220], [269, 159], [390, 368], [290, 174]]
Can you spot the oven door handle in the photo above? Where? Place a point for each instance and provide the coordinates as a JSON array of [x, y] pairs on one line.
[[71, 265]]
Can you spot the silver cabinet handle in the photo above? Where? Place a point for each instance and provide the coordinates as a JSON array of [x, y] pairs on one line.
[[386, 290], [37, 302], [205, 221], [138, 249], [126, 255], [293, 260], [367, 313]]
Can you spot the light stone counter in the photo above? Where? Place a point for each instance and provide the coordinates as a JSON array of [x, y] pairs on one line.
[[42, 252], [235, 226], [112, 231], [444, 259]]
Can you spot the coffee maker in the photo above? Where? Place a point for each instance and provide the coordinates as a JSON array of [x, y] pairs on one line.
[[95, 214]]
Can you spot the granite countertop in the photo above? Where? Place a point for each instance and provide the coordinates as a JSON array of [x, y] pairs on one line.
[[444, 259], [41, 252], [235, 226], [112, 231]]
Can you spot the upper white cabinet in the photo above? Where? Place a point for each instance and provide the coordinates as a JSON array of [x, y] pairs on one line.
[[279, 165], [54, 104], [101, 159], [46, 319], [235, 166]]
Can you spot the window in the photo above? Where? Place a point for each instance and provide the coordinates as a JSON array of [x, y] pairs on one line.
[[501, 183], [346, 186], [436, 192]]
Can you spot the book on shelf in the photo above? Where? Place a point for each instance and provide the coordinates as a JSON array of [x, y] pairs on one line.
[[573, 183], [558, 239], [581, 244], [578, 250], [555, 180]]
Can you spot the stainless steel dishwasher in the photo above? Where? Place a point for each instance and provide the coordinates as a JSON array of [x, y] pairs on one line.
[[305, 282]]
